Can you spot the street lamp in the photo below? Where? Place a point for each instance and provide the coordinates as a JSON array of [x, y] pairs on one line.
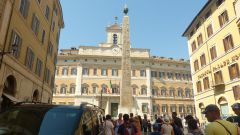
[[2, 53]]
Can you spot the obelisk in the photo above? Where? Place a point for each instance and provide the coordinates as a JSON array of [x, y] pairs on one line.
[[126, 98]]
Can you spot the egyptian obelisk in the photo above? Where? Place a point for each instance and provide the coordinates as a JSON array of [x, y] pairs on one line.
[[126, 98]]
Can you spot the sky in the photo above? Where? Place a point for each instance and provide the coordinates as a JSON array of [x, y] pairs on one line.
[[157, 25]]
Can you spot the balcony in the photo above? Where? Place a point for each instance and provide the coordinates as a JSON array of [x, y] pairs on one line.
[[218, 87]]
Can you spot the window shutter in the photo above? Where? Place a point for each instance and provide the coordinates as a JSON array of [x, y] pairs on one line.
[[220, 20], [236, 92]]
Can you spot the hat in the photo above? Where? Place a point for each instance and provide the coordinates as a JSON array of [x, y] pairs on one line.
[[210, 107], [236, 106], [166, 119]]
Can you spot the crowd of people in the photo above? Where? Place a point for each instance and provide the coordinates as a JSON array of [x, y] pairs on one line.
[[128, 124]]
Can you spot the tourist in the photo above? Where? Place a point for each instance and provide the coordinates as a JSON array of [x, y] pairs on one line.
[[167, 128], [177, 124], [193, 127], [145, 124], [117, 123], [155, 130], [236, 110], [137, 125], [108, 126], [127, 128], [217, 126], [159, 122], [140, 120]]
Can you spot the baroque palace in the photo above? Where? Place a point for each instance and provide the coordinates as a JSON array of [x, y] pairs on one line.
[[29, 35], [93, 74], [214, 48]]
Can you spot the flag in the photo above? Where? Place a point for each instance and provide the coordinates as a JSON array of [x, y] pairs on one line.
[[110, 84]]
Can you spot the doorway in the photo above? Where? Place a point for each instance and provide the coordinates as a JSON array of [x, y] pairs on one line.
[[114, 109]]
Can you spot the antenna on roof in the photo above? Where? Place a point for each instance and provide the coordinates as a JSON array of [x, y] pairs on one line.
[[116, 19]]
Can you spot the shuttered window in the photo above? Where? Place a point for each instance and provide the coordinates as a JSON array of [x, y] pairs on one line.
[[233, 71], [213, 52], [194, 47], [218, 77], [209, 30], [223, 18], [196, 67], [199, 40], [206, 83], [228, 43], [199, 86], [203, 60]]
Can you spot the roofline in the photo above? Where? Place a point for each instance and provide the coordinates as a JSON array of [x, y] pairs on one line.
[[60, 8], [204, 7]]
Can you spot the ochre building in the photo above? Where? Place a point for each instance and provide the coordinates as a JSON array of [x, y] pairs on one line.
[[29, 37], [214, 49], [93, 74]]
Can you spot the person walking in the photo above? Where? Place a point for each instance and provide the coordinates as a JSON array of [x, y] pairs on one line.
[[167, 128], [108, 126], [145, 124], [117, 123], [177, 124], [217, 125], [155, 130]]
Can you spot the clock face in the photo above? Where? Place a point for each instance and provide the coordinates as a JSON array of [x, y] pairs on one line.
[[116, 50]]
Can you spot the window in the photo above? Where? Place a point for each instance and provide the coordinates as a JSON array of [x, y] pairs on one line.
[[72, 89], [233, 71], [142, 73], [203, 60], [228, 43], [164, 108], [43, 37], [85, 71], [94, 89], [55, 59], [145, 108], [209, 30], [208, 14], [65, 71], [218, 77], [57, 71], [50, 49], [134, 91], [172, 92], [35, 24], [155, 108], [144, 91], [196, 67], [38, 69], [114, 72], [104, 72], [199, 86], [95, 71], [153, 73], [16, 41], [178, 76], [164, 92], [115, 39], [173, 108], [187, 93], [206, 83], [24, 8], [29, 58], [213, 52], [47, 75], [236, 92], [63, 89], [133, 73], [181, 108], [170, 76], [162, 75], [223, 18], [199, 40], [84, 90], [194, 47], [154, 92], [55, 11], [53, 26], [52, 82], [180, 92], [219, 2], [47, 12], [74, 71], [189, 109]]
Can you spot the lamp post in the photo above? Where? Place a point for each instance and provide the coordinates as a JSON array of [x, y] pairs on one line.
[[101, 98], [2, 53]]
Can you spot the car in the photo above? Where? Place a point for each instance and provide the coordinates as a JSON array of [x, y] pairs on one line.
[[48, 119]]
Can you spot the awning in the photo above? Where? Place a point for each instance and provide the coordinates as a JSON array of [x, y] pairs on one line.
[[11, 97]]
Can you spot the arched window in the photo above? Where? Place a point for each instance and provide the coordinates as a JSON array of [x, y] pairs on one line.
[[65, 71], [104, 88], [180, 92], [84, 88], [172, 92], [223, 103], [72, 89], [144, 90], [94, 88], [35, 96], [73, 71], [63, 89], [187, 92], [163, 91], [115, 39]]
